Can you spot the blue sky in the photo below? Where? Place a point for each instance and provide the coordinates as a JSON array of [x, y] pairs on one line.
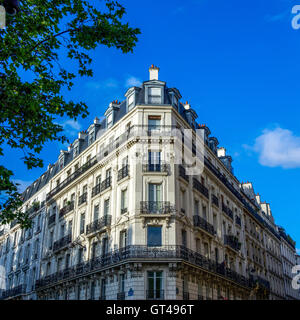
[[236, 63]]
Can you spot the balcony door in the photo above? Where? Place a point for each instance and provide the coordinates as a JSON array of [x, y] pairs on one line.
[[155, 198], [154, 161], [155, 285]]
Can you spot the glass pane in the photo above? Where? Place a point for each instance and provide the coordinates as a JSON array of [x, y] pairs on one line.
[[154, 236]]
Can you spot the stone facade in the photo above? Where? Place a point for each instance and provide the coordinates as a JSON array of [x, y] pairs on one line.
[[118, 216]]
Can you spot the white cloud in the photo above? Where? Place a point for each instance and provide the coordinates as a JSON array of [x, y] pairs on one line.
[[277, 148], [108, 83], [71, 127], [22, 184], [133, 82]]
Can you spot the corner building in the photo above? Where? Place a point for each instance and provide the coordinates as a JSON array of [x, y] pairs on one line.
[[120, 218]]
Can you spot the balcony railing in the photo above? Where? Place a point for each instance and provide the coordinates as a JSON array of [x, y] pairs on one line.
[[123, 172], [200, 187], [98, 225], [82, 199], [155, 294], [96, 190], [63, 211], [228, 211], [257, 280], [203, 224], [61, 243], [182, 173], [121, 296], [14, 292], [159, 207], [72, 177], [105, 184], [232, 241], [168, 252], [160, 167], [214, 200], [51, 219]]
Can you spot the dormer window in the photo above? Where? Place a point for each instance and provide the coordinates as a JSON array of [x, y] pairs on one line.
[[75, 151], [109, 120], [91, 137], [130, 102], [154, 95]]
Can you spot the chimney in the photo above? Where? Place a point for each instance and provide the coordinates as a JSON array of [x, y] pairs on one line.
[[153, 72], [187, 106], [96, 121], [82, 135], [221, 152]]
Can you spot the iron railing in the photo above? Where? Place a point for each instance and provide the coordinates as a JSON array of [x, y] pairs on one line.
[[98, 224], [62, 242], [159, 167], [200, 187], [82, 199], [14, 292], [203, 224], [51, 219], [123, 172], [160, 207], [133, 252], [228, 211], [63, 211], [232, 241]]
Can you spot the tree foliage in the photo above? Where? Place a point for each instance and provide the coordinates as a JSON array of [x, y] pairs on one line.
[[32, 46]]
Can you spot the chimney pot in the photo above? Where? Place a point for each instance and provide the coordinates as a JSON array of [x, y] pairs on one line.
[[153, 72]]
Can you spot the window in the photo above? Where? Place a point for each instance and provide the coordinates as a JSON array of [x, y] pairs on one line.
[[154, 95], [93, 253], [104, 246], [82, 223], [123, 239], [154, 122], [196, 207], [103, 288], [154, 236], [122, 282], [59, 264], [91, 137], [123, 201], [80, 255], [109, 120], [204, 212], [155, 197], [155, 285], [93, 290], [67, 261], [70, 226], [62, 230], [206, 250], [96, 212], [108, 173], [154, 161], [50, 240], [98, 179], [106, 207], [130, 102], [75, 153]]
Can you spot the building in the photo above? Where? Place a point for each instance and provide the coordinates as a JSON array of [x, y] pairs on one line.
[[288, 255], [123, 215]]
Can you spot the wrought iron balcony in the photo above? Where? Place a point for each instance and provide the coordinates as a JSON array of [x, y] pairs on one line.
[[200, 187], [203, 224], [182, 173], [232, 241], [159, 207], [62, 243], [14, 292], [159, 167], [72, 177], [123, 172], [155, 294], [121, 296], [259, 281], [186, 295], [63, 211], [228, 211], [82, 199], [98, 225], [214, 200], [134, 252], [96, 190], [51, 219], [105, 184]]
